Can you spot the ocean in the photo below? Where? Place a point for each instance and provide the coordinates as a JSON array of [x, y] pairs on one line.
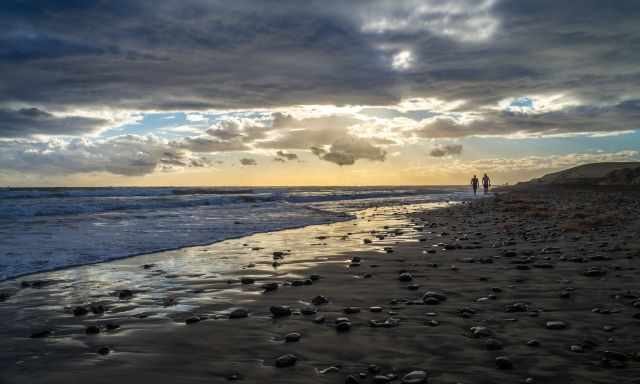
[[43, 229]]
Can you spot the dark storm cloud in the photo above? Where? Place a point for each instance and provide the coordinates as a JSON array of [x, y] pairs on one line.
[[446, 150], [576, 119], [248, 161], [346, 150], [196, 54], [288, 156], [33, 121]]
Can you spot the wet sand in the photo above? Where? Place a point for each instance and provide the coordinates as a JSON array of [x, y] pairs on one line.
[[472, 293]]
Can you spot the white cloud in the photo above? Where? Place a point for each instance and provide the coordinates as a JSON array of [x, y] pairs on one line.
[[461, 20], [129, 155], [402, 60]]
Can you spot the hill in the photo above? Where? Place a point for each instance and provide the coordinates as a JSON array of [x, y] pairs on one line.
[[589, 175]]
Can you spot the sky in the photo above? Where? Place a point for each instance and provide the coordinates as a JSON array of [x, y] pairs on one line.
[[331, 92]]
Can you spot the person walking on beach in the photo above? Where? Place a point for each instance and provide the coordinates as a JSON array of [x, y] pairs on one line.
[[486, 183], [474, 184]]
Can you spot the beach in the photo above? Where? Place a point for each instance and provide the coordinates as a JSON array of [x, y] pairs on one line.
[[518, 287]]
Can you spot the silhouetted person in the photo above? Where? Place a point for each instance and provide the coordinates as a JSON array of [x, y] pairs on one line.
[[486, 183], [474, 184]]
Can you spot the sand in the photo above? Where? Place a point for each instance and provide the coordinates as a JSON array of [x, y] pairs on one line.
[[468, 294]]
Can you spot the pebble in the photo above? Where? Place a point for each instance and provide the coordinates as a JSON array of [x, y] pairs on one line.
[[533, 343], [319, 300], [40, 334], [308, 310], [92, 330], [332, 369], [238, 313], [247, 280], [192, 320], [292, 337], [280, 311], [269, 287], [104, 351], [287, 360], [503, 362], [415, 377], [80, 311], [481, 331], [405, 277], [432, 297], [351, 380], [343, 324], [112, 326], [556, 325], [125, 294], [97, 309], [351, 310]]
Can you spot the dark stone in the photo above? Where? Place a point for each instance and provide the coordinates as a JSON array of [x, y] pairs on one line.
[[92, 330], [319, 300], [415, 377], [405, 277], [432, 297], [516, 307], [125, 294], [41, 334], [97, 309], [503, 362], [343, 324], [287, 360], [238, 313], [309, 310], [247, 280], [280, 311], [292, 337], [112, 326], [269, 287], [615, 355], [351, 380], [533, 343], [104, 351], [80, 311], [192, 320], [556, 325]]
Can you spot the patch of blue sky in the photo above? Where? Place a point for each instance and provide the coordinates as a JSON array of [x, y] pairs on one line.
[[522, 102], [150, 123], [179, 124], [488, 147]]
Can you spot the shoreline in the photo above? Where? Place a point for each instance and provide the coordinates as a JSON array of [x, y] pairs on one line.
[[462, 257], [164, 250], [18, 262]]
